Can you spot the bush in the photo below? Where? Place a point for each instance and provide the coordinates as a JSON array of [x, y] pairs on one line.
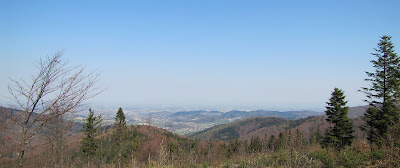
[[325, 157], [350, 158], [281, 157], [205, 165], [377, 154]]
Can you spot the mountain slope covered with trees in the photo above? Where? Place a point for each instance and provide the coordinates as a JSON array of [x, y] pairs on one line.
[[39, 134]]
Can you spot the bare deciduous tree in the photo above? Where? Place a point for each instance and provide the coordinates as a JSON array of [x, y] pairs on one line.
[[56, 131], [149, 120], [55, 90]]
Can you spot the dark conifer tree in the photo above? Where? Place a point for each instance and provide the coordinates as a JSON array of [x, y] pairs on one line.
[[89, 143], [255, 145], [341, 134], [383, 94], [280, 142], [271, 142], [120, 135], [120, 119]]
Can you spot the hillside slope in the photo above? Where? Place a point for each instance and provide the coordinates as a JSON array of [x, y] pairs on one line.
[[357, 111], [256, 126], [267, 126]]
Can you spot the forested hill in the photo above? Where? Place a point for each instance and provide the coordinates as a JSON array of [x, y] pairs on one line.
[[266, 126], [255, 126]]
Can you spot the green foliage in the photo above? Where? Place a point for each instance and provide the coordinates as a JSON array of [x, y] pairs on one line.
[[384, 93], [271, 142], [280, 143], [120, 119], [106, 150], [341, 134], [281, 157], [350, 158], [205, 165], [233, 147], [119, 137], [375, 126], [316, 137], [90, 143], [377, 154], [228, 133], [326, 158], [118, 153], [255, 145]]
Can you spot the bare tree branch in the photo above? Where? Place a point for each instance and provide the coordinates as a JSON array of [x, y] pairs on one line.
[[56, 90]]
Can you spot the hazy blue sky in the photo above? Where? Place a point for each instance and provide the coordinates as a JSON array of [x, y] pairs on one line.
[[289, 53]]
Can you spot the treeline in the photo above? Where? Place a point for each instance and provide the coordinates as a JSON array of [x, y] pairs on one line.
[[148, 146]]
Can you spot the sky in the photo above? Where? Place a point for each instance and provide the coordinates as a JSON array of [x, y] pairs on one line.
[[272, 53]]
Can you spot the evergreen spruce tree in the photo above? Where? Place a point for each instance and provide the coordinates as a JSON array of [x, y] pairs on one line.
[[89, 143], [119, 137], [280, 142], [120, 126], [342, 132], [255, 145], [271, 142], [133, 143], [120, 119], [383, 94]]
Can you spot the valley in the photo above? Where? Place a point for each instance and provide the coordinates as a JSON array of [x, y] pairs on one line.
[[188, 119]]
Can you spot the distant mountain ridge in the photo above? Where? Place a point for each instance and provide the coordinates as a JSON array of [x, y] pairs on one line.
[[354, 112]]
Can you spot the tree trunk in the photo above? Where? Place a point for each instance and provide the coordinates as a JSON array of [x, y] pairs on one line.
[[22, 149], [21, 156], [132, 157]]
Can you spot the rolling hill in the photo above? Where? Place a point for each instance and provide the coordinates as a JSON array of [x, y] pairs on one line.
[[256, 126], [266, 126]]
